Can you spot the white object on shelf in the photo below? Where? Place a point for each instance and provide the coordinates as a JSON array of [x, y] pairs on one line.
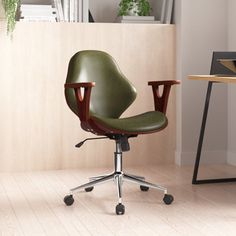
[[80, 11], [141, 21], [76, 10], [163, 9], [85, 7], [142, 18], [35, 12], [48, 19], [66, 9], [35, 6], [168, 12], [58, 6], [137, 20], [71, 10]]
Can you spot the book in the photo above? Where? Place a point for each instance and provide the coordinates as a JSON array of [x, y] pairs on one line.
[[36, 12], [71, 10], [66, 10], [80, 11], [75, 11], [39, 13], [37, 18], [168, 11], [35, 6], [140, 21], [85, 11], [142, 18], [163, 8], [137, 19], [58, 6]]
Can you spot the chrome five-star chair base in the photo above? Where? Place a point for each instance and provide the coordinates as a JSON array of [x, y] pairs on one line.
[[118, 176]]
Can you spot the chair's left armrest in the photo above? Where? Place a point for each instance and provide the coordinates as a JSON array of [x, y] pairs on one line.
[[161, 101], [83, 99]]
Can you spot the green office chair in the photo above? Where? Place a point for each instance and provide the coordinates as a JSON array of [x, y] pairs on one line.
[[98, 93]]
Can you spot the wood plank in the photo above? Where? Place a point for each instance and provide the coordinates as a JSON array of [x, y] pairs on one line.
[[24, 213], [52, 191], [9, 224], [32, 204], [214, 78], [50, 224]]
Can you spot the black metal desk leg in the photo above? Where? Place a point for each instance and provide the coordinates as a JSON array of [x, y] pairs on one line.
[[200, 142]]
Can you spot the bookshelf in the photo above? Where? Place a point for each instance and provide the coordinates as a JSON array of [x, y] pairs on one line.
[[103, 11], [106, 10]]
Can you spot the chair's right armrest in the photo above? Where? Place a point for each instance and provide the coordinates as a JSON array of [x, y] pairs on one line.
[[160, 101], [83, 99]]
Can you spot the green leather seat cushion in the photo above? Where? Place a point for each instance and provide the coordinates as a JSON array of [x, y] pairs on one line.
[[146, 122]]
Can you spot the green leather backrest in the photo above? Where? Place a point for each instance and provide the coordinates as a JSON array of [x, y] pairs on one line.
[[112, 93]]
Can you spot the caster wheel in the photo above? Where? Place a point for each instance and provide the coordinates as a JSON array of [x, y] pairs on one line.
[[168, 199], [144, 188], [88, 189], [69, 200], [120, 209]]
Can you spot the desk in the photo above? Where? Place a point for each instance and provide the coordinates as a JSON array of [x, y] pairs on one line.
[[211, 79]]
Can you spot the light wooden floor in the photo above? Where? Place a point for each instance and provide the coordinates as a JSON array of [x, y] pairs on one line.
[[31, 204]]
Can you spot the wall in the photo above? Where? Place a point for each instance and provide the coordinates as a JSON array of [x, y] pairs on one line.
[[232, 87], [201, 29], [104, 10], [156, 8], [38, 131]]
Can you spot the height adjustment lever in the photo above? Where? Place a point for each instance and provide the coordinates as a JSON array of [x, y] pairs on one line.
[[87, 139]]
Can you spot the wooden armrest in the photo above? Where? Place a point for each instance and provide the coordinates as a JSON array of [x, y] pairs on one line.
[[80, 85], [161, 101], [164, 82], [83, 101]]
